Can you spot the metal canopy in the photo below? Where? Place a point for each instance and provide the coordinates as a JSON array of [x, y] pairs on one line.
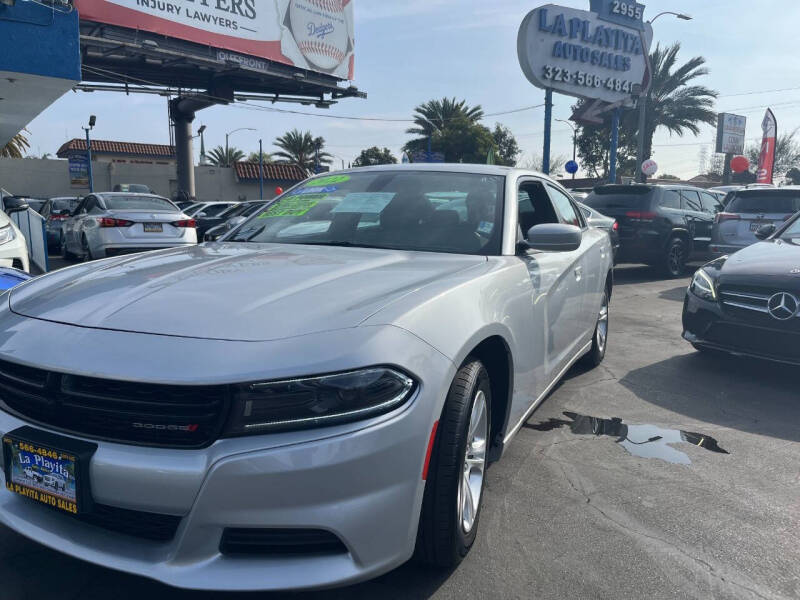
[[111, 54]]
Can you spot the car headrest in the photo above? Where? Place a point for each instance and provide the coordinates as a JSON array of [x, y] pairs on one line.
[[405, 210]]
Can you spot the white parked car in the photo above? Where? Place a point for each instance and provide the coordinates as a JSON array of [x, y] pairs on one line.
[[55, 482], [31, 474], [13, 247]]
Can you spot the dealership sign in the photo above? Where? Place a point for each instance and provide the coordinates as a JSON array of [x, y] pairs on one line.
[[310, 34], [601, 54], [730, 133], [78, 170]]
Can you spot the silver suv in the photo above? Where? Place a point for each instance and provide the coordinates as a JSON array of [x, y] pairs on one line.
[[746, 211]]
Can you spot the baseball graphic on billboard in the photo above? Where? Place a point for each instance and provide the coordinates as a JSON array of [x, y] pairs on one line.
[[320, 30]]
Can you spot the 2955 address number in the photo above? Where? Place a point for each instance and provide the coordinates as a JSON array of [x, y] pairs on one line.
[[581, 78]]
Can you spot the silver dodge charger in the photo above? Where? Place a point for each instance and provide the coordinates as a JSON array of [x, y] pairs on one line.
[[310, 401]]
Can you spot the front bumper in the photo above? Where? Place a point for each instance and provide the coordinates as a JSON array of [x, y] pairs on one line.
[[15, 254], [709, 325], [360, 481]]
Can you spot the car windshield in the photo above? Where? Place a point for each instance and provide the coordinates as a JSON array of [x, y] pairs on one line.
[[792, 232], [782, 202], [139, 203], [405, 210]]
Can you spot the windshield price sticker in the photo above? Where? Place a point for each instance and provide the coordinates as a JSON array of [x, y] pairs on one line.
[[292, 206], [330, 180], [364, 202], [328, 189]]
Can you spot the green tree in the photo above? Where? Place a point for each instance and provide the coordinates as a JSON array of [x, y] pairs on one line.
[[506, 146], [219, 158], [16, 147], [253, 157], [375, 156], [302, 149], [668, 176], [461, 140], [673, 103], [794, 175], [430, 119], [787, 153]]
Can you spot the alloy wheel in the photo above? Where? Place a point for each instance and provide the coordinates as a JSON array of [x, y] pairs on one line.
[[471, 484], [602, 325], [676, 259]]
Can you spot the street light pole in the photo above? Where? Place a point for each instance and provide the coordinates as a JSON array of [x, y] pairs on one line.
[[227, 149], [574, 140], [640, 157], [92, 121]]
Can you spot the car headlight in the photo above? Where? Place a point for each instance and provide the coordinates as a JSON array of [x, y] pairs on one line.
[[7, 234], [703, 286], [309, 402]]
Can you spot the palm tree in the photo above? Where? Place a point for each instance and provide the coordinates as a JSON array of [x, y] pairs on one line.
[[219, 158], [266, 156], [301, 149], [431, 117], [16, 147], [671, 102]]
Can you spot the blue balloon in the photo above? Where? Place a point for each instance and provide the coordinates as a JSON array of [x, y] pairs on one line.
[[571, 167]]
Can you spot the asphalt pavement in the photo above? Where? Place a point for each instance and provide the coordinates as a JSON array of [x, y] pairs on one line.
[[620, 506]]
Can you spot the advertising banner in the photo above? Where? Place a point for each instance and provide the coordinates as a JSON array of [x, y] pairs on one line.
[[766, 161], [79, 171], [596, 55], [309, 34], [730, 133]]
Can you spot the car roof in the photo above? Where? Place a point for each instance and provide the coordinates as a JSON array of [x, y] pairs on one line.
[[127, 195], [476, 169]]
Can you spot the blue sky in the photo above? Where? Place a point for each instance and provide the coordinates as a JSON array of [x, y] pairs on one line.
[[409, 51]]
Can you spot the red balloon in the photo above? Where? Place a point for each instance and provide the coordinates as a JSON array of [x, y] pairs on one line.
[[278, 191], [739, 164]]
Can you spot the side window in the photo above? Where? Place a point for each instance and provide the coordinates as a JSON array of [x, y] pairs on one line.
[[564, 206], [215, 210], [691, 201], [93, 206], [670, 199], [710, 203], [535, 207]]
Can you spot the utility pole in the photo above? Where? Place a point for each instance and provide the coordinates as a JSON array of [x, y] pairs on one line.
[[574, 141], [548, 121]]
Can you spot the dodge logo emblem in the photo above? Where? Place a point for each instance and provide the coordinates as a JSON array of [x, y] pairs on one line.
[[783, 306]]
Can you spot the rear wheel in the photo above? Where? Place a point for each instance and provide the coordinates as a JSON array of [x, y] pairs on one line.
[[675, 257], [453, 493], [87, 250]]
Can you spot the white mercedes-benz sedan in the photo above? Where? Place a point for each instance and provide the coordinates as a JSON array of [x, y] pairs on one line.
[[312, 400]]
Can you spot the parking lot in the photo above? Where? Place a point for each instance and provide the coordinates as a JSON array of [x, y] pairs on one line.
[[577, 515]]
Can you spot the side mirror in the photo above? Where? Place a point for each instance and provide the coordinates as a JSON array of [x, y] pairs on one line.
[[200, 215], [765, 231], [14, 204], [554, 237]]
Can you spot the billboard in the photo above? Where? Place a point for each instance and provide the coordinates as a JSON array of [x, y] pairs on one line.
[[730, 133], [308, 34], [599, 55]]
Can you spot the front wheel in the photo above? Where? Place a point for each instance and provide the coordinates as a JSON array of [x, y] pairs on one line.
[[456, 475], [600, 339]]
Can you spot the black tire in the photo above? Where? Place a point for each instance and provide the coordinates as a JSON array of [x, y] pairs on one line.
[[595, 356], [675, 257], [441, 540]]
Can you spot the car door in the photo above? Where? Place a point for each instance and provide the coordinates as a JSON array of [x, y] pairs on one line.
[[595, 255], [557, 284], [699, 221], [89, 227]]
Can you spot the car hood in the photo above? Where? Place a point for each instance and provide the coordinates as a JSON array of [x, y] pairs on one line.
[[229, 291], [768, 263]]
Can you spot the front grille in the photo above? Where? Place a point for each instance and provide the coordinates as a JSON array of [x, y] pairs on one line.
[[754, 340], [750, 305], [140, 413], [143, 525], [280, 542]]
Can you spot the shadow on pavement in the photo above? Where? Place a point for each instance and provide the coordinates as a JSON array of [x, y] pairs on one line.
[[629, 274], [675, 294], [740, 393]]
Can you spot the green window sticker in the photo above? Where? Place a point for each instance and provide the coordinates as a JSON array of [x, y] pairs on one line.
[[292, 206], [330, 180]]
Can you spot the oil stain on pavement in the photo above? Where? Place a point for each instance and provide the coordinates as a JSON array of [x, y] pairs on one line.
[[646, 441]]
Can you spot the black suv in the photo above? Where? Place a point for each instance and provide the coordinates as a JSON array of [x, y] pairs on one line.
[[661, 225]]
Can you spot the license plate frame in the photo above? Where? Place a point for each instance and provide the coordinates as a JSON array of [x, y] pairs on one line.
[[53, 450], [153, 227]]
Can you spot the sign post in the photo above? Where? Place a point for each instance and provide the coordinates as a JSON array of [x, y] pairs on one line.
[[612, 154], [548, 122]]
